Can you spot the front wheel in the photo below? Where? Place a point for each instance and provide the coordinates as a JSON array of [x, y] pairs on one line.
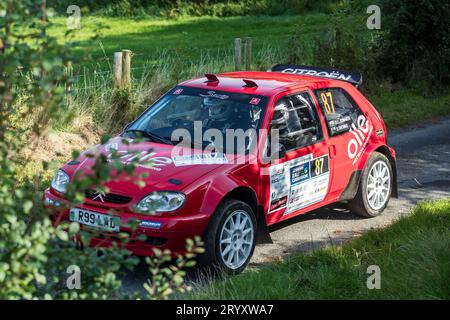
[[375, 187], [230, 237]]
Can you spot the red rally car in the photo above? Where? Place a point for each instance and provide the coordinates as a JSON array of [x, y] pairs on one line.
[[306, 137]]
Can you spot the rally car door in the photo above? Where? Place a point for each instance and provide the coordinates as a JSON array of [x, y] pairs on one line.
[[348, 131], [299, 178]]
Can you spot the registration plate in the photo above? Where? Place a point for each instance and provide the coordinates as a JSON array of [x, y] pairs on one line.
[[96, 220]]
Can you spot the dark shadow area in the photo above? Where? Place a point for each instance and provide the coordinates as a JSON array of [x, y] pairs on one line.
[[336, 211]]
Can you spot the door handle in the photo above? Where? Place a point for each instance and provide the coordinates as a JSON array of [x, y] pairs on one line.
[[332, 150]]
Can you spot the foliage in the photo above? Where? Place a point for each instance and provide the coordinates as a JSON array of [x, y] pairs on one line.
[[35, 249], [412, 48], [415, 47], [340, 45], [168, 279], [217, 8], [412, 254]]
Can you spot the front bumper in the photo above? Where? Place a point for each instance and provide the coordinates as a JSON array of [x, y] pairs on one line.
[[162, 232]]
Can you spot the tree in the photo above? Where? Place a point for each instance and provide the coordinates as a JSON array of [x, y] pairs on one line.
[[35, 254]]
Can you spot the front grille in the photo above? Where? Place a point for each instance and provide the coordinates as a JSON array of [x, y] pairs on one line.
[[152, 241], [107, 198]]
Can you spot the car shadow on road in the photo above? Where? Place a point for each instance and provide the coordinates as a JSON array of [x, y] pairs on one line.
[[336, 211]]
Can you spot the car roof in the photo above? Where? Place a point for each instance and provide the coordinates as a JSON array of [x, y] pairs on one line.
[[268, 83]]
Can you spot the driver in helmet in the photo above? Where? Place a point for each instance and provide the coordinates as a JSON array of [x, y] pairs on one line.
[[220, 114], [280, 120]]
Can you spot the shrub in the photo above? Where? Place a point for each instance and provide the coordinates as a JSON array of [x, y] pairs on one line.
[[219, 8], [35, 251], [412, 48], [339, 46], [416, 43]]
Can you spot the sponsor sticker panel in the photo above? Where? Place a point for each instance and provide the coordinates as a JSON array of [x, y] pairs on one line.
[[200, 158], [298, 183]]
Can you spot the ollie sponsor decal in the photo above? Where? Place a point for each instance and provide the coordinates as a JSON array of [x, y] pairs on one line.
[[361, 134], [145, 159]]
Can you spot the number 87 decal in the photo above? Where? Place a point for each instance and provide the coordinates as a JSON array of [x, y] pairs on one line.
[[327, 101], [319, 166]]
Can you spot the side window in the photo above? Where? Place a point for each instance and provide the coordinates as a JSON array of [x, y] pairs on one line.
[[340, 110], [297, 121]]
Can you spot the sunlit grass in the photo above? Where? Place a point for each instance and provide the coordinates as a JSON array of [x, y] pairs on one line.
[[405, 106], [412, 254], [186, 38]]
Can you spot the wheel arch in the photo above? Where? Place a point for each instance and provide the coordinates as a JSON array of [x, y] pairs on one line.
[[244, 194], [248, 196], [352, 186], [387, 153]]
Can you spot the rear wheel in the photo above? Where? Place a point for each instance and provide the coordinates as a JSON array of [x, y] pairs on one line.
[[230, 237], [375, 187]]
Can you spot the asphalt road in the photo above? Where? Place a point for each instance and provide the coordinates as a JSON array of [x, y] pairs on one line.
[[423, 153]]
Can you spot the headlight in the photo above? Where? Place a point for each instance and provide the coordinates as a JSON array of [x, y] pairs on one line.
[[60, 181], [165, 201]]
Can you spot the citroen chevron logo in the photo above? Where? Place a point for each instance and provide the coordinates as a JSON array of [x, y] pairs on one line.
[[100, 195]]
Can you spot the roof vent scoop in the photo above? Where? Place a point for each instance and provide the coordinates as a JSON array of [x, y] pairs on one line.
[[249, 83], [211, 77]]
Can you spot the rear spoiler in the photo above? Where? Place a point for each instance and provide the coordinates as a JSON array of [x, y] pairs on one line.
[[348, 76]]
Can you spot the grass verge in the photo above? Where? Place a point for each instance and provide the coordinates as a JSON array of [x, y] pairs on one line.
[[404, 107], [413, 255], [187, 38]]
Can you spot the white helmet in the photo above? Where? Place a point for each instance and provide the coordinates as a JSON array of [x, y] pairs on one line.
[[280, 118], [217, 108]]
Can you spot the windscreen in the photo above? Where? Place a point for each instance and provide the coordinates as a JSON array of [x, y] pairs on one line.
[[219, 118]]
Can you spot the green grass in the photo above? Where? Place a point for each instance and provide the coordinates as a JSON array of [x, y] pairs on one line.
[[405, 107], [187, 38], [413, 255]]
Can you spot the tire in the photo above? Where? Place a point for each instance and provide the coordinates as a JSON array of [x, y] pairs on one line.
[[222, 256], [374, 191]]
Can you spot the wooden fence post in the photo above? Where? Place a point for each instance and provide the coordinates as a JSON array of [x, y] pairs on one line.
[[237, 54], [117, 70], [69, 74], [126, 68], [248, 53]]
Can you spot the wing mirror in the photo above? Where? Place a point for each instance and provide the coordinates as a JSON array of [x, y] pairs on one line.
[[128, 125]]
